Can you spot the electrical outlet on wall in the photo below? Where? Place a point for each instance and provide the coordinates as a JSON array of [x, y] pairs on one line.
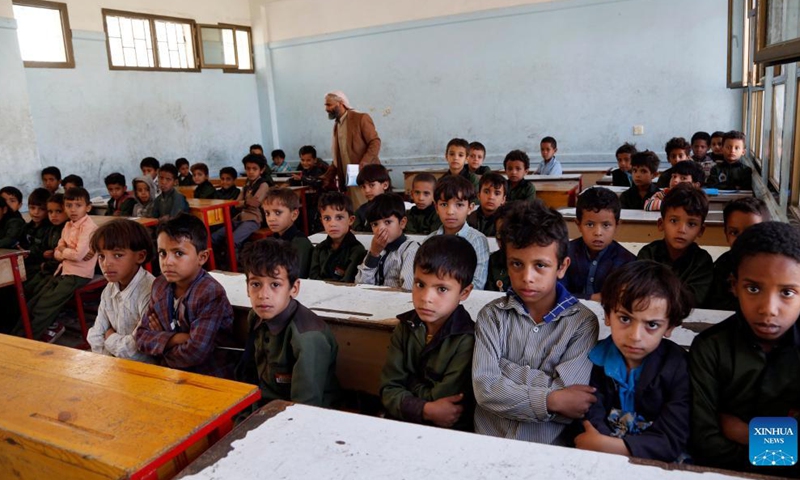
[[638, 129]]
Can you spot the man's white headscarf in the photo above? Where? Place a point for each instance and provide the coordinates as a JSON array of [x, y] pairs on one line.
[[339, 96]]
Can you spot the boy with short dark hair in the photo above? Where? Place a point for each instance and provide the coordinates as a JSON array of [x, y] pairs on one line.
[[256, 149], [622, 176], [279, 164], [644, 166], [731, 173], [12, 226], [677, 149], [595, 254], [530, 370], [189, 317], [549, 166], [43, 270], [184, 173], [492, 195], [72, 181], [738, 216], [281, 208], [390, 258], [12, 196], [748, 366], [290, 352], [516, 164], [310, 173], [476, 154], [227, 185], [427, 377], [51, 180], [250, 198], [683, 214], [456, 156], [701, 143], [682, 172], [204, 188], [454, 197], [35, 232], [121, 202], [338, 256], [422, 217], [716, 146], [149, 167], [373, 180], [170, 202]]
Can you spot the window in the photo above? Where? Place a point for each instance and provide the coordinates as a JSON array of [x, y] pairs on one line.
[[137, 41], [778, 104], [738, 32], [228, 47], [45, 39], [778, 38]]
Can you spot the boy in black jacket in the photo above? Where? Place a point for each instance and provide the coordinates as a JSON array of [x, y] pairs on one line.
[[338, 256]]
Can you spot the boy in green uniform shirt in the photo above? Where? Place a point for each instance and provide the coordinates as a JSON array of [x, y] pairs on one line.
[[516, 164], [492, 196], [281, 208], [290, 352], [427, 375], [204, 188], [337, 258], [422, 217]]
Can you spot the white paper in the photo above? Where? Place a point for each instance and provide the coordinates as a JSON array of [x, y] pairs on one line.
[[352, 174]]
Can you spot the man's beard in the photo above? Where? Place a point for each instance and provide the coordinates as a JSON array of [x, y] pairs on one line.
[[332, 115]]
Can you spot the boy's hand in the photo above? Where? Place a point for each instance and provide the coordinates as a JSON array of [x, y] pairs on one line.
[[153, 323], [379, 242], [734, 429], [572, 402], [443, 412], [177, 339], [596, 297], [110, 332], [61, 248], [48, 254], [593, 440]]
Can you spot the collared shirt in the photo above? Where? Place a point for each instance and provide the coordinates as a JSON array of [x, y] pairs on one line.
[[283, 167], [553, 167], [122, 310], [481, 246], [487, 225], [422, 222], [76, 237], [518, 362], [653, 204], [170, 203], [631, 198], [302, 246], [585, 275], [396, 262], [694, 267]]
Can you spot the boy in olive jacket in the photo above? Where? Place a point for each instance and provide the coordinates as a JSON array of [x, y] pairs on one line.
[[337, 258], [427, 375]]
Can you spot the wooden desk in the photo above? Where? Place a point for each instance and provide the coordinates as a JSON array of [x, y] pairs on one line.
[[293, 441], [216, 212], [558, 194], [239, 182], [12, 272], [715, 202], [74, 414], [186, 191], [590, 174]]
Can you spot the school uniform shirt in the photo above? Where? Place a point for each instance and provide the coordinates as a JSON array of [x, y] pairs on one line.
[[706, 163], [481, 246], [422, 222], [468, 175], [732, 374], [664, 178], [518, 362], [76, 238], [653, 204], [231, 193], [361, 224], [34, 238], [49, 266], [394, 267], [632, 200], [340, 265], [11, 228], [170, 204], [658, 392], [122, 310], [695, 267], [256, 190], [482, 170], [187, 181], [497, 280], [205, 190], [730, 176], [122, 207], [486, 224], [621, 178], [302, 246], [721, 296], [418, 371], [282, 168], [203, 312], [553, 167], [585, 275], [311, 177], [291, 357], [524, 190]]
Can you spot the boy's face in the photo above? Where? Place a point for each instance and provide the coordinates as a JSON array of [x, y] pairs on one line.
[[597, 229], [637, 334], [149, 172], [624, 162], [336, 222], [50, 182], [436, 298], [716, 145], [733, 149], [278, 160], [738, 222], [393, 227], [475, 158], [76, 209], [279, 217], [166, 181], [307, 161], [678, 178], [37, 213], [56, 213], [680, 229], [183, 170], [453, 213], [491, 198], [120, 264], [677, 155], [699, 148], [142, 192], [252, 171], [116, 191], [199, 176], [456, 157], [642, 176], [226, 181], [422, 194], [768, 289], [515, 171], [533, 272], [269, 296], [179, 259], [11, 201], [373, 189], [547, 150]]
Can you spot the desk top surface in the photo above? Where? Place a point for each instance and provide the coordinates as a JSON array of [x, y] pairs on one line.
[[209, 203], [641, 216]]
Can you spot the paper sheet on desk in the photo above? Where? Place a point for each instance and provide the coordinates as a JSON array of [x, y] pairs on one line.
[[352, 175]]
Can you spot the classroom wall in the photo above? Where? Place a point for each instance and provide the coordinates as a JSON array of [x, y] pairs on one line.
[[584, 71]]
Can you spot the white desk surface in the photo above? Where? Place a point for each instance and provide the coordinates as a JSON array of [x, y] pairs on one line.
[[284, 441], [596, 169], [641, 216]]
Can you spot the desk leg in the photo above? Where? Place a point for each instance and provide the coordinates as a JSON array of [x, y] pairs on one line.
[[226, 213], [23, 305], [212, 263]]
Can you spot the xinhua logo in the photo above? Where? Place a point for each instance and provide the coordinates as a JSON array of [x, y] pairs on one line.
[[773, 441]]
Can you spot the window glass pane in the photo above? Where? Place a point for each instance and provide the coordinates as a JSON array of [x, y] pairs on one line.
[[41, 37], [113, 26], [117, 57], [784, 21], [778, 105], [229, 47], [243, 49], [174, 45], [126, 30]]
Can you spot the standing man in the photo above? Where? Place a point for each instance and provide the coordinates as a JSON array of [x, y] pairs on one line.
[[355, 142]]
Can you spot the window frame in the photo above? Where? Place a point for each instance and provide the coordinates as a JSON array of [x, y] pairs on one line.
[[251, 49], [203, 63], [744, 21], [151, 19], [782, 52], [66, 33]]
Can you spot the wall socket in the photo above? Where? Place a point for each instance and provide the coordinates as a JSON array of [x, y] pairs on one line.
[[638, 129]]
